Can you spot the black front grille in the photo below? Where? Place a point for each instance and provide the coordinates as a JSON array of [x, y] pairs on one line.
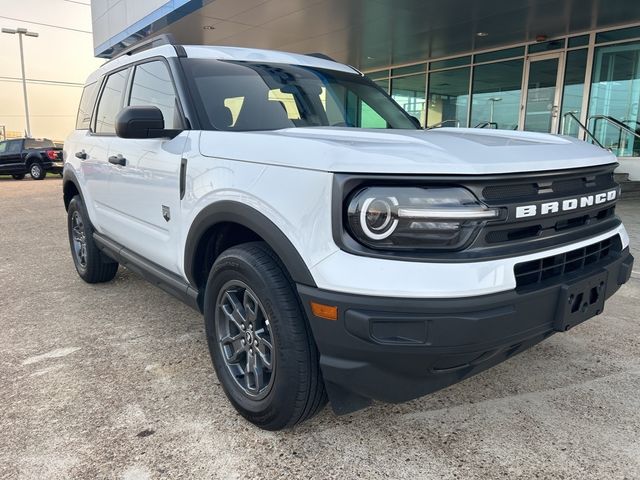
[[542, 188], [552, 226], [543, 269], [546, 230], [500, 192]]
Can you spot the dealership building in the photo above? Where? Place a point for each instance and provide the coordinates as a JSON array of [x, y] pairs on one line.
[[559, 66]]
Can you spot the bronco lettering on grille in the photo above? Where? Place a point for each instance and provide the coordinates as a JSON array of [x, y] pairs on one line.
[[567, 205]]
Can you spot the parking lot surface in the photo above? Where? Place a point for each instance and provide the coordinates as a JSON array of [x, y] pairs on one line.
[[115, 381]]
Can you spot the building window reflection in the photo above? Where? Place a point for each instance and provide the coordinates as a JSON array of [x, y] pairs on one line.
[[409, 93], [486, 88], [448, 98], [615, 92], [575, 67], [496, 94]]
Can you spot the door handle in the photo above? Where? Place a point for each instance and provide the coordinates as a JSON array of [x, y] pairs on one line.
[[82, 155], [118, 160]]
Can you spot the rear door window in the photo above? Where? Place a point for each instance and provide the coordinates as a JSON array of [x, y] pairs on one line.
[[14, 146], [110, 103]]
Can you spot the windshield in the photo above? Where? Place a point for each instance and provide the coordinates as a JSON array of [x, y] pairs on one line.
[[247, 96]]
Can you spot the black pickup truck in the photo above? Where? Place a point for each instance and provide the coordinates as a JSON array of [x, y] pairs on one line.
[[34, 156]]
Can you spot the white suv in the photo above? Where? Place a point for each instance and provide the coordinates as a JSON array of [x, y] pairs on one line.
[[335, 248]]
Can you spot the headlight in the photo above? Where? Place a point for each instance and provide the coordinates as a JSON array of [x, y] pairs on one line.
[[401, 218]]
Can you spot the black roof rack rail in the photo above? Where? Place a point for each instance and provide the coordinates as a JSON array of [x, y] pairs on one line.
[[151, 42], [320, 55]]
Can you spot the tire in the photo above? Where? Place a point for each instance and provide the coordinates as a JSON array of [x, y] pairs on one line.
[[292, 390], [37, 172], [92, 265], [18, 176]]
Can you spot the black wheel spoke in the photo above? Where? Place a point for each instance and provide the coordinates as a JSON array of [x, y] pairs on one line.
[[264, 349], [254, 379], [234, 344], [250, 305], [233, 310]]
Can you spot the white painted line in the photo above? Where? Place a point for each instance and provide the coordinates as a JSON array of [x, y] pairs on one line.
[[57, 353]]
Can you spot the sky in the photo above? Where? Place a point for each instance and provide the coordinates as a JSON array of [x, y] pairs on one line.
[[62, 53]]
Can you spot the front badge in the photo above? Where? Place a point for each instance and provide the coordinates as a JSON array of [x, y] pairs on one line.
[[547, 208]]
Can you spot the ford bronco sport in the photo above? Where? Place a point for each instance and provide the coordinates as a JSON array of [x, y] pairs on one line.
[[337, 251]]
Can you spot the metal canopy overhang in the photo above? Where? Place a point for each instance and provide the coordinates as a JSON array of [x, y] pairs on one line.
[[377, 33]]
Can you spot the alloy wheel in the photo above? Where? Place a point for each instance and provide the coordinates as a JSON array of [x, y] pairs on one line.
[[245, 339], [79, 239]]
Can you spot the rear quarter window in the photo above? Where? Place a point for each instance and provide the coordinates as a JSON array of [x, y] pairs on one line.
[[87, 102]]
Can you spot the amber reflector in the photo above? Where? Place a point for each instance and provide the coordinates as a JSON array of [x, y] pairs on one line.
[[327, 312]]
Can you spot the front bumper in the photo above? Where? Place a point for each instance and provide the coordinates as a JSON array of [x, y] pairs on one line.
[[397, 349]]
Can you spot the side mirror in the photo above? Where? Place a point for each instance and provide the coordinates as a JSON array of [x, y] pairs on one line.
[[141, 122]]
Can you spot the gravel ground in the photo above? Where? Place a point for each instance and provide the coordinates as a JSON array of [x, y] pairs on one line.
[[115, 381]]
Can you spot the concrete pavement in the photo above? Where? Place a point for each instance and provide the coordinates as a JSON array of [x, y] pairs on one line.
[[115, 381]]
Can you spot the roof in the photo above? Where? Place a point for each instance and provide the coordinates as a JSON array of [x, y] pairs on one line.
[[221, 53]]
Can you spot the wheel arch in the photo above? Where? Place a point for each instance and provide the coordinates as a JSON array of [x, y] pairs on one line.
[[70, 187], [32, 158], [205, 229]]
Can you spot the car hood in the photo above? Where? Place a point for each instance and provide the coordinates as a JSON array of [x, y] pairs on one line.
[[437, 151]]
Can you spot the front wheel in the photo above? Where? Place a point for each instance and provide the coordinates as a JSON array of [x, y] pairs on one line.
[[259, 339], [37, 172], [92, 265]]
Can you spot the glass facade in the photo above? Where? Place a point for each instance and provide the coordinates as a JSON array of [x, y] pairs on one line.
[[615, 93], [409, 93], [589, 81], [496, 94], [573, 91], [449, 97]]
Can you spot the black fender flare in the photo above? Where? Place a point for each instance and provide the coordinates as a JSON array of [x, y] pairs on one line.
[[68, 176], [32, 158], [241, 214]]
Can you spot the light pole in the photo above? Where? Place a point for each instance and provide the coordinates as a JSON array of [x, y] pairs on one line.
[[493, 105], [21, 32]]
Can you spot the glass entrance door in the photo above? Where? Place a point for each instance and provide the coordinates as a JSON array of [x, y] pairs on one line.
[[541, 107]]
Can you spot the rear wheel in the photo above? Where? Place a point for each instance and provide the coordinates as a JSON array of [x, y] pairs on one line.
[[37, 172], [259, 339], [92, 265], [18, 176]]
